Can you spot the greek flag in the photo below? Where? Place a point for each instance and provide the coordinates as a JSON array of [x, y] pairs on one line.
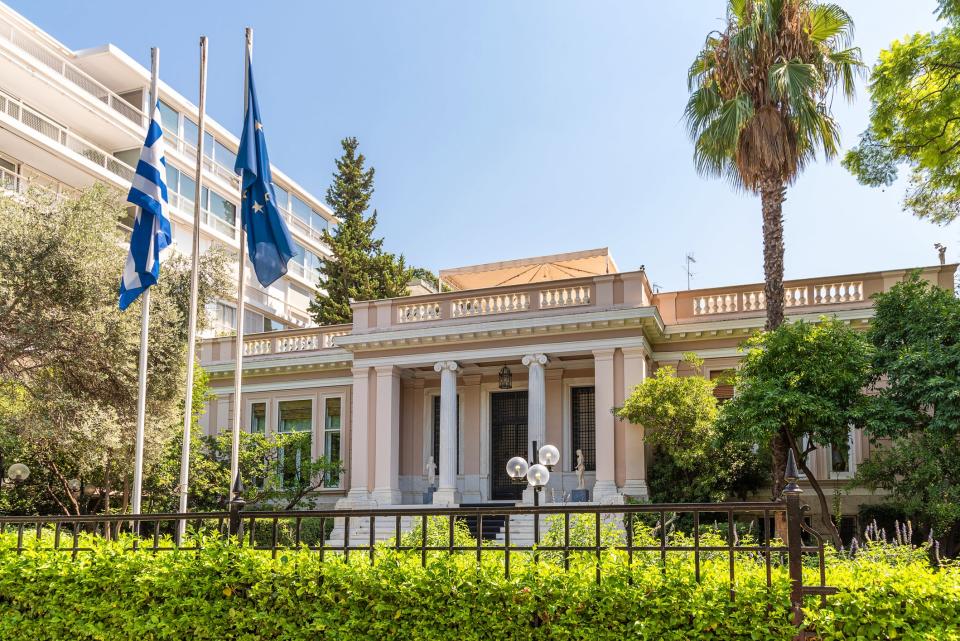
[[151, 228], [268, 240]]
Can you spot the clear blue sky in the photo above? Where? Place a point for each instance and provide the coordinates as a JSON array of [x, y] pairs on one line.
[[508, 129]]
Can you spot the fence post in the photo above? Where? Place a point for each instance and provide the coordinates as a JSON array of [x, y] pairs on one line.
[[791, 494], [236, 507]]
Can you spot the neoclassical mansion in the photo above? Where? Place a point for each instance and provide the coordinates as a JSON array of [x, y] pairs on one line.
[[539, 349]]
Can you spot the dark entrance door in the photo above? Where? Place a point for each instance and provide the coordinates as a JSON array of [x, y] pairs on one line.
[[508, 438]]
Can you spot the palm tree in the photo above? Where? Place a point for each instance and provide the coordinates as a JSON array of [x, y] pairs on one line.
[[759, 111]]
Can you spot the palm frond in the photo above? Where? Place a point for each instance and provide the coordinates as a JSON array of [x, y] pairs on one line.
[[847, 64], [829, 22], [793, 81]]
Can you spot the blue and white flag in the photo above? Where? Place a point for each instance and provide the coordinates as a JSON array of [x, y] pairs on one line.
[[151, 228], [268, 240]]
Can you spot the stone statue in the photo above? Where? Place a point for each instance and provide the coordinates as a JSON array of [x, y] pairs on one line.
[[941, 252], [430, 471], [580, 468]]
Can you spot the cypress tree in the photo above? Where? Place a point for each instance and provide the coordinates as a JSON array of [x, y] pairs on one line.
[[358, 268]]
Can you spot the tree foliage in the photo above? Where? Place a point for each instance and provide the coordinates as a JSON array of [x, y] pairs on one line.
[[693, 460], [914, 121], [68, 356], [358, 268], [916, 337], [804, 380]]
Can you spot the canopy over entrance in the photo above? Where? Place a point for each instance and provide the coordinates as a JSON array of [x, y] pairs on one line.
[[591, 262]]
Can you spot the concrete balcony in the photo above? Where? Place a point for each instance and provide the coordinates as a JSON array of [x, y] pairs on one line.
[[43, 63]]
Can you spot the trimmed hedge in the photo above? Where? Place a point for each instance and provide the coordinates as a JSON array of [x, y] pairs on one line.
[[226, 592]]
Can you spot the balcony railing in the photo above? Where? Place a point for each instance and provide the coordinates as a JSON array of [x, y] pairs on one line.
[[794, 296], [494, 302], [594, 293], [18, 184], [307, 340], [46, 127], [52, 59]]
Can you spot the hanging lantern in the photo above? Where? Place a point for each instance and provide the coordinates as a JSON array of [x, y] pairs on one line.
[[506, 378]]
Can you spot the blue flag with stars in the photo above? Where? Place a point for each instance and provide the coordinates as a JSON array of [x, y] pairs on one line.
[[268, 239]]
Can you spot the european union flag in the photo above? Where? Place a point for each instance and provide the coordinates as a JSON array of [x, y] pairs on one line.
[[268, 240]]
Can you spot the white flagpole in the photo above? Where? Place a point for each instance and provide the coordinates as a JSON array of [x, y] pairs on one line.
[[194, 284], [238, 346], [144, 335]]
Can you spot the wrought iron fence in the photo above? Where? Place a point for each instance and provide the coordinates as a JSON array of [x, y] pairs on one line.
[[493, 531]]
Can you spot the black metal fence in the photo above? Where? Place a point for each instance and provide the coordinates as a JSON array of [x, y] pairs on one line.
[[331, 533]]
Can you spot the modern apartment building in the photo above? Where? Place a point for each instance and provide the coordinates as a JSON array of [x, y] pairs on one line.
[[69, 119]]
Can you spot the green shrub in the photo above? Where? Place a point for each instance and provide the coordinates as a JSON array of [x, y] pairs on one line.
[[228, 592]]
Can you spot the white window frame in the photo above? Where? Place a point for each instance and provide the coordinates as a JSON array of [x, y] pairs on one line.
[[248, 413], [322, 429], [852, 443], [313, 418]]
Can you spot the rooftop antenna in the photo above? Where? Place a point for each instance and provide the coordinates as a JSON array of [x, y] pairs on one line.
[[656, 288], [690, 260]]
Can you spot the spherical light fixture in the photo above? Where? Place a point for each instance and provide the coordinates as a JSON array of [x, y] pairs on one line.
[[538, 476], [548, 456], [18, 472], [517, 468]]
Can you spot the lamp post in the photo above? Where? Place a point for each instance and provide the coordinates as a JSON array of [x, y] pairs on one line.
[[16, 474], [536, 475]]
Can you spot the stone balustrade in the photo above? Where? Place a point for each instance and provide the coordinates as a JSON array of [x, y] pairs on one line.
[[806, 295], [575, 294]]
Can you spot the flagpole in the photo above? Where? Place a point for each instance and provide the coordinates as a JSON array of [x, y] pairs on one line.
[[194, 285], [144, 337], [238, 346]]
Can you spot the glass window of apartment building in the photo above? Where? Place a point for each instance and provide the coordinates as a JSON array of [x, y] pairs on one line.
[[300, 209], [170, 118], [332, 425], [583, 427], [294, 418], [190, 132], [283, 196], [224, 156], [258, 418], [270, 325], [219, 206]]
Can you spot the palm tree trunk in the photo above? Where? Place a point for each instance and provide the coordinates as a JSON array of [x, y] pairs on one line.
[[772, 195]]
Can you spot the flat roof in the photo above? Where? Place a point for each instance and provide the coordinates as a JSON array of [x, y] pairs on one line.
[[590, 262]]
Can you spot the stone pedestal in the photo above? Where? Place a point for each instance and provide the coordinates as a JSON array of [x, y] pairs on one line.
[[428, 495], [579, 496]]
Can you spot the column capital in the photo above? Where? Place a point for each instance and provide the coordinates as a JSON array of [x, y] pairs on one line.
[[453, 366], [603, 354], [386, 370], [633, 352], [530, 359], [360, 372]]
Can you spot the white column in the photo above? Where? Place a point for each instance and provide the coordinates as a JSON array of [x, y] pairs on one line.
[[387, 471], [446, 493], [605, 489], [536, 402], [634, 372], [359, 493]]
